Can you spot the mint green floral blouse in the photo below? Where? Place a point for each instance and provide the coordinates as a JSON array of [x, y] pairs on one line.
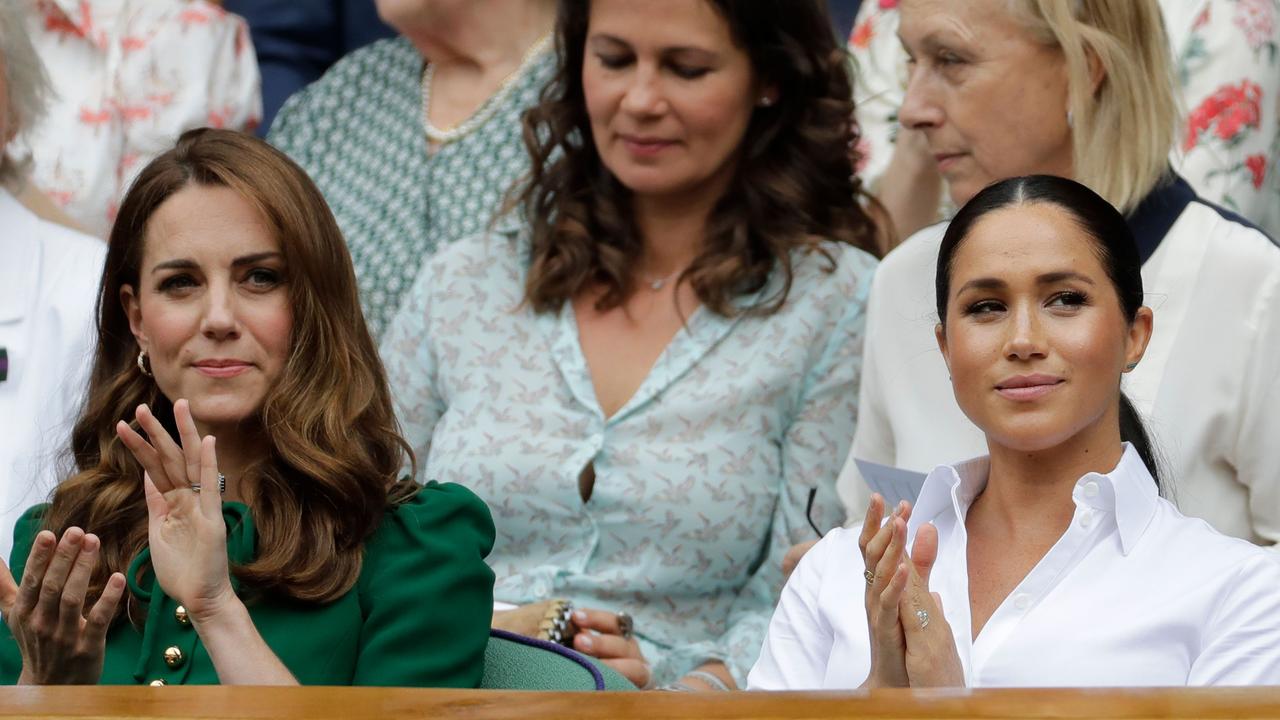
[[358, 133], [702, 477]]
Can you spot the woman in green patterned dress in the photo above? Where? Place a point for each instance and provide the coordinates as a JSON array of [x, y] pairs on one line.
[[414, 141]]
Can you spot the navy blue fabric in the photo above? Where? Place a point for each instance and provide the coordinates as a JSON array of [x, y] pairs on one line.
[[1161, 208], [553, 647], [842, 14], [297, 40], [1158, 211]]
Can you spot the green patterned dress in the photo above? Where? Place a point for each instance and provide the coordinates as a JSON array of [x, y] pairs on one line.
[[358, 133]]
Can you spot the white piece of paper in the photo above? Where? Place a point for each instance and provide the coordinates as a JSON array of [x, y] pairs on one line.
[[894, 483]]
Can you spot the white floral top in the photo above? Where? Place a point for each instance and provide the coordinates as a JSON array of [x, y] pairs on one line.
[[1228, 63], [701, 479], [129, 76]]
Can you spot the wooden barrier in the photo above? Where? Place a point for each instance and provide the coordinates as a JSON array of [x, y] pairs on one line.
[[168, 703]]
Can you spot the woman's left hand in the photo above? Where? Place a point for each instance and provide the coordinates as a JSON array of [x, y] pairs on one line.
[[932, 658], [600, 636], [186, 531]]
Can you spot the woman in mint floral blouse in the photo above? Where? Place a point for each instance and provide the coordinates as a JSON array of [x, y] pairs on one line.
[[652, 377]]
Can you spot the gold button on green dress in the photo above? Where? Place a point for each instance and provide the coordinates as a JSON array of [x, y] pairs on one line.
[[418, 615]]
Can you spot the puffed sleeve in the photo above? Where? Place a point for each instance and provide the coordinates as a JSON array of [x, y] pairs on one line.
[[426, 592], [24, 534], [412, 369], [814, 446]]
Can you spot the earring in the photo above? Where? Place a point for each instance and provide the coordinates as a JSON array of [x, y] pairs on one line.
[[142, 363], [1071, 121], [1130, 366], [765, 101]]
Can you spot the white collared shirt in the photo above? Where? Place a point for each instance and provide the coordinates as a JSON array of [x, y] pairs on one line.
[[1133, 594], [49, 278]]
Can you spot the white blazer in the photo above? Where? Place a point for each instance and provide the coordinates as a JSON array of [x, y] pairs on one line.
[[49, 278]]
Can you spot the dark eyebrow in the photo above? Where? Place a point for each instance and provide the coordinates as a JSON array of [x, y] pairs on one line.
[[1045, 279], [185, 264], [673, 50]]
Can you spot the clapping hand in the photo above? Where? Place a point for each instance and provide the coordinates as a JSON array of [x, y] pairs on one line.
[[59, 644], [883, 547], [185, 529]]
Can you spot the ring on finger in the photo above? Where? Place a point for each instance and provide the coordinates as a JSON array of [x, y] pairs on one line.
[[870, 576], [923, 617], [195, 488], [626, 624]]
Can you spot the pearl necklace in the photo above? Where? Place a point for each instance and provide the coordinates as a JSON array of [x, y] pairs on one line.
[[487, 109]]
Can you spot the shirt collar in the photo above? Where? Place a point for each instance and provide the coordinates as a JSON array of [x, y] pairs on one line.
[[1128, 492], [1158, 211]]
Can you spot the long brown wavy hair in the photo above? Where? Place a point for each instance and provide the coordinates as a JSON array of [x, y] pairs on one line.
[[336, 452], [795, 184]]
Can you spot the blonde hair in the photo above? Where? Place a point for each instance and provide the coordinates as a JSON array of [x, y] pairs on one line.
[[1124, 130], [27, 85]]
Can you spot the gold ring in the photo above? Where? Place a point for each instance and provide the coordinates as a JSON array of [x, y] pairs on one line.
[[870, 576]]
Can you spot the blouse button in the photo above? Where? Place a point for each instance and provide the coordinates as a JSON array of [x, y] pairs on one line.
[[158, 682], [1086, 519], [180, 614], [1091, 489], [173, 656]]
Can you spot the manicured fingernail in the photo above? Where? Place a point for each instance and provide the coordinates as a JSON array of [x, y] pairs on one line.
[[580, 616], [586, 642]]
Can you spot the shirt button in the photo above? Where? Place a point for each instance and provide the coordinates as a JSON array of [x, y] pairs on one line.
[[1021, 601], [158, 682], [1091, 489], [173, 656], [1086, 519], [180, 614]]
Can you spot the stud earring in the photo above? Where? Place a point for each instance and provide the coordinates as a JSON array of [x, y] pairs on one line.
[[1130, 366], [765, 101], [142, 363]]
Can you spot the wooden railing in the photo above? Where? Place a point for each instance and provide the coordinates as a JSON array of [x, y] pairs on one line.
[[401, 704]]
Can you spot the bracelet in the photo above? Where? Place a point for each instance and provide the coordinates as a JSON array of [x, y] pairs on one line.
[[709, 678], [556, 625]]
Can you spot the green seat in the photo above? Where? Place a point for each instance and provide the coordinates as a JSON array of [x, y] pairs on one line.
[[516, 662]]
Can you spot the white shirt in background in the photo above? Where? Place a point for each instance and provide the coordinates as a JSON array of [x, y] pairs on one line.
[[49, 278], [1208, 387], [1134, 593]]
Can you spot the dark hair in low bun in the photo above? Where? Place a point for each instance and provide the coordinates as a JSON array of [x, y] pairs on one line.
[[1113, 243]]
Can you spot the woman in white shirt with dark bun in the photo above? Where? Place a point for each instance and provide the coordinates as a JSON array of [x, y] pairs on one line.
[[1054, 560]]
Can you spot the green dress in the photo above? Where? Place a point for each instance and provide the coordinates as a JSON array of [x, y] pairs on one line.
[[358, 133], [418, 615]]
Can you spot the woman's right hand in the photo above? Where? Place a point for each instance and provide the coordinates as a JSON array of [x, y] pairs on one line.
[[45, 614], [882, 547]]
